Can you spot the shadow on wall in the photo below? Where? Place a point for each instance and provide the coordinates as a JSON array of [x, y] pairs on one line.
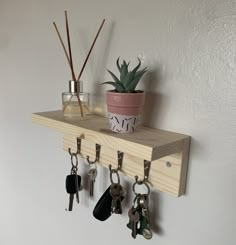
[[155, 201], [154, 207], [154, 100]]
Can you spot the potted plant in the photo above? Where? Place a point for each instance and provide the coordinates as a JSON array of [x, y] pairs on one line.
[[125, 103]]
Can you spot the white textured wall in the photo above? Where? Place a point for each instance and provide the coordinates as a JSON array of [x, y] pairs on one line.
[[189, 47]]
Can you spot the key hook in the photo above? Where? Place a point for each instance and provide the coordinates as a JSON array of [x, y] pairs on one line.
[[78, 148], [98, 149], [120, 156], [147, 167]]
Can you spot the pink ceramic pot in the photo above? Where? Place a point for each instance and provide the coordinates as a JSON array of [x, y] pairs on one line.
[[124, 110]]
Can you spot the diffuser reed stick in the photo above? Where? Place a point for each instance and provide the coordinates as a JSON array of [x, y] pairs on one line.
[[63, 45], [85, 62], [69, 47]]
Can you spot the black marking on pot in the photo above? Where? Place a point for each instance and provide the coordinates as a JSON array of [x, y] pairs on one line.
[[123, 123], [127, 119], [118, 130], [113, 127], [133, 128], [127, 127], [117, 120], [134, 121]]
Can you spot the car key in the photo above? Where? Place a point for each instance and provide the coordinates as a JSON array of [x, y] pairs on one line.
[[73, 182], [102, 210]]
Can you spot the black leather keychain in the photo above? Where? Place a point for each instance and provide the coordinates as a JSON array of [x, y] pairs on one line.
[[102, 210]]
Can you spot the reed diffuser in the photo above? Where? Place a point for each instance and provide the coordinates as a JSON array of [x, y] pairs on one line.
[[75, 102]]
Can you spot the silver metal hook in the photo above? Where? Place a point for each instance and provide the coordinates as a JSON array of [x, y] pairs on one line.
[[120, 156], [147, 167], [78, 148], [98, 149]]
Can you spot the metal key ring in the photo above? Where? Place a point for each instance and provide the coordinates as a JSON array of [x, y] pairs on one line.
[[74, 156], [114, 171], [74, 170], [93, 165], [141, 182]]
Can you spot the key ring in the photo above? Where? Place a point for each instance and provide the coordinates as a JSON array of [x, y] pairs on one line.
[[93, 165], [140, 182], [74, 165], [114, 171]]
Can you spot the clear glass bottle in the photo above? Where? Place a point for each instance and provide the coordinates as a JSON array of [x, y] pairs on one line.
[[75, 100]]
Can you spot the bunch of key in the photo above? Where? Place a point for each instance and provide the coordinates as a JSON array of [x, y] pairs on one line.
[[73, 182], [139, 221], [111, 201]]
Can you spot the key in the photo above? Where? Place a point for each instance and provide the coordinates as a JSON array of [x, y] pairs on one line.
[[117, 192], [145, 219], [73, 183], [92, 177], [144, 201], [134, 219]]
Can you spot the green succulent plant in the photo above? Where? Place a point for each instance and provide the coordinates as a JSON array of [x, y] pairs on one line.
[[128, 79]]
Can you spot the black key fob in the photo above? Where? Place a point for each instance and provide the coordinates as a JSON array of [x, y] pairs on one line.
[[102, 210], [71, 183]]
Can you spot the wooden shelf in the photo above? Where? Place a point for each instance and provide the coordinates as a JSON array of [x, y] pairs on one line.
[[155, 145]]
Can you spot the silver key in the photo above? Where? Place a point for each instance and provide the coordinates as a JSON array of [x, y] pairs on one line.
[[134, 219], [144, 201], [117, 193], [92, 177]]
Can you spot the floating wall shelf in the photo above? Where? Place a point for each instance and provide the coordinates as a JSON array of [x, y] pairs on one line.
[[167, 151]]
